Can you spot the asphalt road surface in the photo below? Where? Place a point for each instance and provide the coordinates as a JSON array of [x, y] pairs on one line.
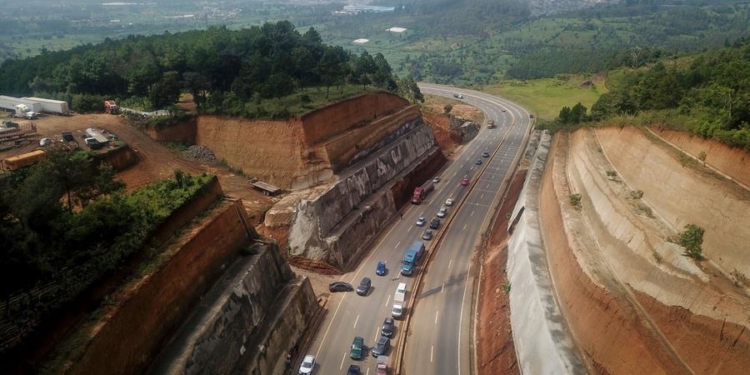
[[440, 338]]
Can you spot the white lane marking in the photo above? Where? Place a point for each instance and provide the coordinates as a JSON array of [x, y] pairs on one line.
[[432, 349], [355, 322], [450, 263], [437, 313], [442, 289], [482, 196], [464, 227], [368, 371], [342, 361], [410, 227], [388, 300], [472, 213], [399, 243]]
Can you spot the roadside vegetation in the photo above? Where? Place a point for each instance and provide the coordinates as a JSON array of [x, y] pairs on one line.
[[65, 223]]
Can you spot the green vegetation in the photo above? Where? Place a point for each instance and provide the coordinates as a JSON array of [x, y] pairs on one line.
[[636, 194], [545, 97], [692, 240], [65, 223], [255, 72], [575, 201]]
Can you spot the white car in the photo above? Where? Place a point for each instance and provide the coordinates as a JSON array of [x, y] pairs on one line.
[[436, 180], [45, 142], [449, 202], [442, 212], [307, 365], [421, 221]]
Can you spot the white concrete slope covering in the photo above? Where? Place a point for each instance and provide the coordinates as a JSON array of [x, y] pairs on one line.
[[543, 344]]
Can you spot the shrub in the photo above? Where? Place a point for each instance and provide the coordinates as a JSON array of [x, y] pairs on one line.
[[506, 287], [636, 194], [575, 201], [692, 240]]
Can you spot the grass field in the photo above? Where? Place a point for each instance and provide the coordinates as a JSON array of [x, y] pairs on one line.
[[546, 97]]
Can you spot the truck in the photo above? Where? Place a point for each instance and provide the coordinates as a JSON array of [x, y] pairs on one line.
[[111, 107], [412, 257], [399, 301], [58, 107], [420, 192], [24, 111], [9, 103], [24, 160]]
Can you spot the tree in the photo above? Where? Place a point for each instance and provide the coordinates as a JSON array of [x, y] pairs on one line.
[[409, 89], [692, 240], [166, 91], [447, 109]]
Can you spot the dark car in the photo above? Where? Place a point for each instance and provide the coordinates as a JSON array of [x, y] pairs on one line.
[[353, 370], [381, 270], [340, 286], [435, 223], [388, 327], [358, 347], [427, 235], [381, 347], [485, 154], [364, 286], [478, 162]]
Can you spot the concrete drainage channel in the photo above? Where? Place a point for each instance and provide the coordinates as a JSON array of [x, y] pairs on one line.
[[399, 348]]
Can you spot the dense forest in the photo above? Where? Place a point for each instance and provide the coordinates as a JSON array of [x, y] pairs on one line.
[[706, 94], [221, 68]]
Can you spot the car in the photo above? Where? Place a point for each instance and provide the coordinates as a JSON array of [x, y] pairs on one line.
[[435, 223], [381, 270], [45, 142], [388, 327], [442, 212], [421, 221], [485, 154], [354, 370], [478, 162], [449, 202], [531, 116], [381, 347], [427, 235], [502, 109], [340, 286], [465, 181], [364, 286], [458, 96], [436, 179], [358, 345], [307, 365]]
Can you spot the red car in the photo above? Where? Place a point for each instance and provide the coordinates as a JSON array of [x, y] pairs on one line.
[[465, 181]]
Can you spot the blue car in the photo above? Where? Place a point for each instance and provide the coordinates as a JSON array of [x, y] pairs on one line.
[[380, 271]]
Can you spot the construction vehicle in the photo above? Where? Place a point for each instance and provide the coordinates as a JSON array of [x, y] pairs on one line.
[[420, 192], [111, 107], [24, 160]]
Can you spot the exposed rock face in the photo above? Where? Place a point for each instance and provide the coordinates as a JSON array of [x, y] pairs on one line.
[[247, 323], [334, 225]]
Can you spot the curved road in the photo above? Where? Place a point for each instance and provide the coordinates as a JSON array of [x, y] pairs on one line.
[[439, 341]]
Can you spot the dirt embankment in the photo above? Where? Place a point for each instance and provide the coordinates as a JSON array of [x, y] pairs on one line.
[[633, 302], [441, 124]]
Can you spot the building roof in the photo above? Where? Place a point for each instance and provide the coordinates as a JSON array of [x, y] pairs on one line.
[[267, 187]]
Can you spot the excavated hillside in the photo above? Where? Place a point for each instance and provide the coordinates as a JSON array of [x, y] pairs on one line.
[[634, 303]]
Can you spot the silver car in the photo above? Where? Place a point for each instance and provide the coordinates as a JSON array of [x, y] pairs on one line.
[[442, 212]]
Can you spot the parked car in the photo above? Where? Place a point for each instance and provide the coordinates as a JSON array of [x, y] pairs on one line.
[[427, 235], [381, 347], [364, 286], [354, 370], [340, 286], [381, 270], [45, 142], [421, 221], [442, 212], [358, 345], [307, 365], [485, 154], [449, 202], [478, 162], [465, 181], [388, 327], [435, 223], [436, 179]]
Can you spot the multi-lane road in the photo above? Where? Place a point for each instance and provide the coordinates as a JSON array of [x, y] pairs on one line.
[[440, 337]]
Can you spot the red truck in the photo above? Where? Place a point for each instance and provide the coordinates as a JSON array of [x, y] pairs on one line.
[[420, 192]]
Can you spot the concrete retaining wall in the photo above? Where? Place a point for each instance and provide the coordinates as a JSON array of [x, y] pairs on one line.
[[543, 343]]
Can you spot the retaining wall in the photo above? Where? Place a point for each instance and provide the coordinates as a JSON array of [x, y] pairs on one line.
[[542, 341]]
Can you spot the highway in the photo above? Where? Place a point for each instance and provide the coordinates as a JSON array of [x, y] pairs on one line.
[[440, 338]]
